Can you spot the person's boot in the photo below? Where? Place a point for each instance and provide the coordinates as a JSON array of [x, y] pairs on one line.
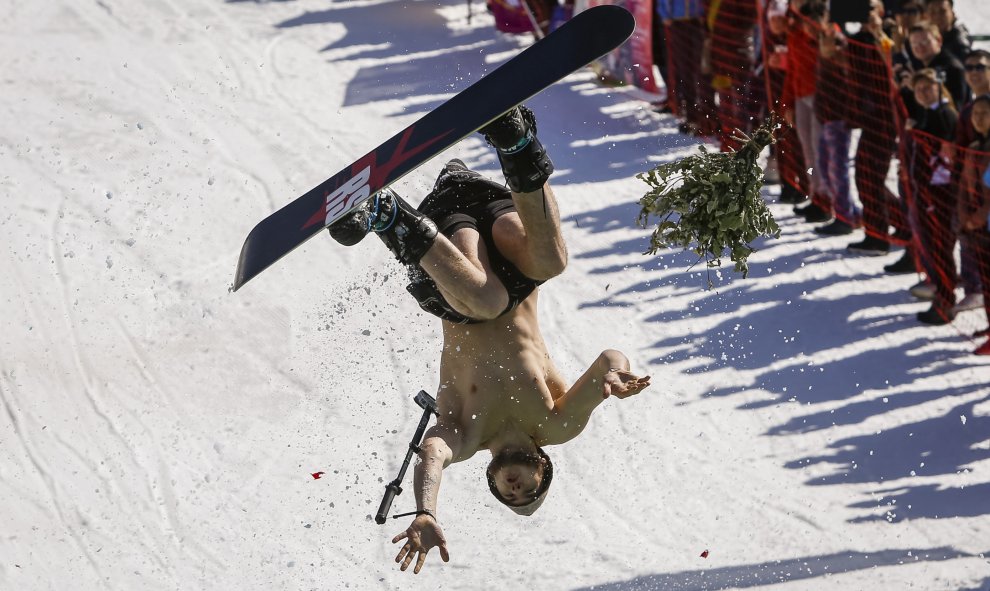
[[905, 264], [406, 231], [524, 160], [788, 194], [936, 315], [816, 214], [871, 245]]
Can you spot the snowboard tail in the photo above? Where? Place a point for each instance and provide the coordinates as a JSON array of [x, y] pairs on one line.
[[584, 38]]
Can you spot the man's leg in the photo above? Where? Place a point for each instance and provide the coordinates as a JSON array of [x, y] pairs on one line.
[[458, 265], [531, 240], [463, 274]]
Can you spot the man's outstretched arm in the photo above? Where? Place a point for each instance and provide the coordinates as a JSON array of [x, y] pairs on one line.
[[439, 447], [608, 376]]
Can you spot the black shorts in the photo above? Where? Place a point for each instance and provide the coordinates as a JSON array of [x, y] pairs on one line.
[[462, 198]]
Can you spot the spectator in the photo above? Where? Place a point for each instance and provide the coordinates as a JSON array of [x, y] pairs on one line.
[[934, 202], [976, 197], [977, 74], [730, 50], [926, 43], [873, 111], [833, 147], [978, 79], [955, 36], [691, 94], [910, 14], [790, 163], [799, 100]]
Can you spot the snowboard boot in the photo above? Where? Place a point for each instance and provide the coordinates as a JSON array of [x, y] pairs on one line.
[[406, 231], [524, 160]]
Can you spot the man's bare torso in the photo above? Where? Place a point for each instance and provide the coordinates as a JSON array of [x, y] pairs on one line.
[[496, 375]]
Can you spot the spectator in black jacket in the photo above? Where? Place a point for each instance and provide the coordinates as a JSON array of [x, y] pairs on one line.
[[934, 203], [955, 36], [926, 43]]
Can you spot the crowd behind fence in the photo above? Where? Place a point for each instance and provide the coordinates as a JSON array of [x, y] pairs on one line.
[[888, 122]]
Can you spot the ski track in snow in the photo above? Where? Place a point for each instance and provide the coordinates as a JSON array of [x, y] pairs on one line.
[[159, 432]]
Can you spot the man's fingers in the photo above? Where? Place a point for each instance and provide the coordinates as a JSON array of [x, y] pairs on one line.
[[399, 537], [402, 552], [419, 562], [443, 553], [405, 563]]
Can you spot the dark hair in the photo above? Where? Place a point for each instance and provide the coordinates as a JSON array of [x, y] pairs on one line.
[[530, 505], [983, 98], [978, 53], [814, 9]]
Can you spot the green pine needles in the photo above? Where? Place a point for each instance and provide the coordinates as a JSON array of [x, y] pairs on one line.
[[712, 201]]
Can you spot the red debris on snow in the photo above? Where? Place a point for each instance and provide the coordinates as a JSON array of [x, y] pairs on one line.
[[704, 554], [316, 475]]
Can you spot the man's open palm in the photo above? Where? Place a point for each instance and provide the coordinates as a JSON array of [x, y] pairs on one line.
[[423, 534], [623, 384]]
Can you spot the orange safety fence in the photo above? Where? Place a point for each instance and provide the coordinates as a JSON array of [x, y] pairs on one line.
[[850, 145]]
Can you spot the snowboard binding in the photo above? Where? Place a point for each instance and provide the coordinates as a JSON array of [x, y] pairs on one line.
[[406, 231], [524, 160]]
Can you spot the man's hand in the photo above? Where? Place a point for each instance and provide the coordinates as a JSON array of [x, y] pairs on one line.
[[423, 534], [623, 384]]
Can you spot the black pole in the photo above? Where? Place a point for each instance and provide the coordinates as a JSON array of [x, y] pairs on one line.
[[394, 488]]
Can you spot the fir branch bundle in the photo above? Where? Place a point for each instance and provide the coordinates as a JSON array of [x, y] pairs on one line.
[[712, 201]]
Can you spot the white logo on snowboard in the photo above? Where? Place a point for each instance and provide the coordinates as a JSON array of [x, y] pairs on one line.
[[354, 190]]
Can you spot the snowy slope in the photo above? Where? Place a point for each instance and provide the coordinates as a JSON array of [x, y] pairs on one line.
[[159, 432]]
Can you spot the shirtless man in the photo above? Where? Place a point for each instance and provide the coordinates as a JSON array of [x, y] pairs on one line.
[[477, 253]]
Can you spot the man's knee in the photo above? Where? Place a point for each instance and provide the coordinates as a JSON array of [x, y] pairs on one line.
[[539, 264]]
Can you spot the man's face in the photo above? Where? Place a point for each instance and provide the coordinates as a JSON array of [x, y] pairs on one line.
[[980, 117], [940, 12], [926, 93], [517, 482], [977, 74], [925, 45]]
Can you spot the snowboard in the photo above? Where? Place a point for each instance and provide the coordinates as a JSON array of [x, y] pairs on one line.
[[578, 42]]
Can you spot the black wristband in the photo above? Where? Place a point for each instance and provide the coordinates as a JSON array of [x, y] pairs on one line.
[[417, 513]]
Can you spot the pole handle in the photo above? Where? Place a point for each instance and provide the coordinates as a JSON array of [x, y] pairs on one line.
[[391, 490]]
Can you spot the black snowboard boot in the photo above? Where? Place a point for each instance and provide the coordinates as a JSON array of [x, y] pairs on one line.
[[524, 160], [406, 231]]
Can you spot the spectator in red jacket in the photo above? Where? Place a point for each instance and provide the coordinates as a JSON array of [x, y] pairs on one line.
[[799, 100]]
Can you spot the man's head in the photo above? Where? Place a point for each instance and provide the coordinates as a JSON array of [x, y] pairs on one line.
[[519, 479], [926, 41], [977, 73], [940, 12], [980, 115]]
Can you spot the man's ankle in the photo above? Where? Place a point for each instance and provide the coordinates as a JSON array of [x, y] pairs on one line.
[[407, 232], [524, 160]]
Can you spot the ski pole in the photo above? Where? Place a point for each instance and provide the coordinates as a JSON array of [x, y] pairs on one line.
[[429, 406]]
